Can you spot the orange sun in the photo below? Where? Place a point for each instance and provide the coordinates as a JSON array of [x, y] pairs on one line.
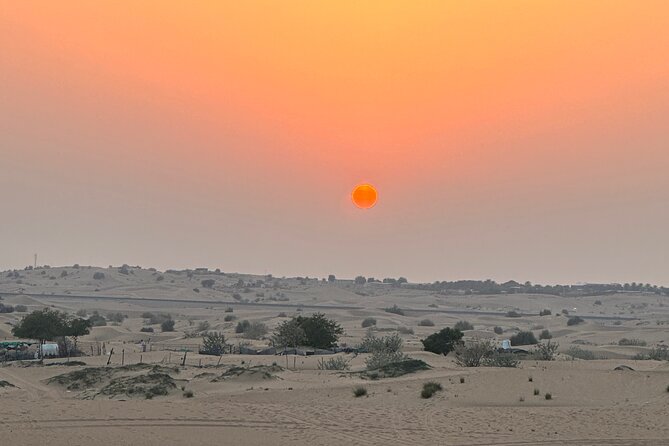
[[364, 196]]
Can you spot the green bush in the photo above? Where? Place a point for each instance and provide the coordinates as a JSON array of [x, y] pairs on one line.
[[524, 338], [546, 351], [336, 363], [579, 353], [473, 353], [463, 326], [634, 342], [426, 323], [498, 330], [545, 312], [443, 342], [146, 329], [229, 317], [548, 396], [430, 388], [167, 325], [359, 391], [405, 330], [575, 320]]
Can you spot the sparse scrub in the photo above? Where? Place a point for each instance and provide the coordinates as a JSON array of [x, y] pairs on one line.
[[336, 363], [405, 330], [203, 326], [548, 396], [229, 310], [500, 360], [20, 308], [394, 310], [229, 317], [545, 351], [537, 392], [426, 323], [188, 394], [359, 391], [213, 343], [167, 325], [463, 326], [472, 353], [384, 350], [545, 312], [429, 389], [575, 320], [579, 353], [146, 329], [513, 313], [545, 334], [256, 330], [632, 342], [498, 330]]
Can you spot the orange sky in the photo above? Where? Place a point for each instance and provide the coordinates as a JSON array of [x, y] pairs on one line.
[[518, 139]]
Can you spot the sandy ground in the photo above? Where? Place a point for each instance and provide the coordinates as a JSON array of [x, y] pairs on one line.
[[591, 403]]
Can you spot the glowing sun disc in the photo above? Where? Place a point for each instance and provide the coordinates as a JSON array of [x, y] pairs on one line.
[[364, 196]]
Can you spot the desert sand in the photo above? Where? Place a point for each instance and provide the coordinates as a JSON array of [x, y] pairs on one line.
[[295, 403]]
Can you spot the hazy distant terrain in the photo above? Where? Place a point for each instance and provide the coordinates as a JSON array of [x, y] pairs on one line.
[[293, 402]]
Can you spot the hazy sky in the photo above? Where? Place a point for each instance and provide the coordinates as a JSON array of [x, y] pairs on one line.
[[523, 140]]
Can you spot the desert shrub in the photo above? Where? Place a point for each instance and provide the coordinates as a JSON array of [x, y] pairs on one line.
[[188, 394], [63, 273], [405, 330], [598, 302], [160, 278], [203, 326], [359, 391], [463, 326], [574, 320], [20, 308], [659, 353], [396, 369], [282, 314], [384, 350], [498, 330], [125, 269], [336, 363], [429, 389], [213, 343], [146, 329], [116, 317], [208, 283], [97, 320], [548, 396], [579, 353], [154, 319], [98, 276], [443, 342], [229, 317], [545, 334], [6, 308], [523, 338], [242, 326], [147, 315], [426, 323], [546, 351], [81, 313], [256, 330], [634, 342], [462, 380], [229, 310], [497, 359], [545, 312], [167, 325], [394, 310], [197, 290], [513, 313], [472, 353], [237, 296], [368, 322]]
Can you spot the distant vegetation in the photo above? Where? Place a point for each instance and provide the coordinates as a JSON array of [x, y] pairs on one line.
[[443, 342], [524, 338], [394, 310], [463, 326], [368, 322], [575, 320]]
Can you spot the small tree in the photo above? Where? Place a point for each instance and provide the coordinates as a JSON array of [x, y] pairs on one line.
[[545, 334], [42, 325], [289, 334], [443, 342], [331, 278], [78, 327], [213, 343], [498, 330], [360, 280]]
